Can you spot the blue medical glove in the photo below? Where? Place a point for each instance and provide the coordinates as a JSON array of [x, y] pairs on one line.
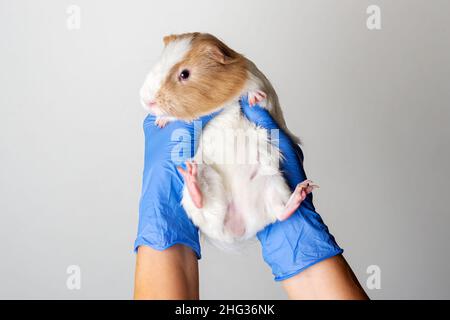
[[302, 240], [162, 219]]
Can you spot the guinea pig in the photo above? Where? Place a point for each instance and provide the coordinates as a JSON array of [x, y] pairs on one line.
[[230, 201]]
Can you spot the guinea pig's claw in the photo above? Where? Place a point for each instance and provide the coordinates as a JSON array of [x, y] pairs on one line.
[[161, 122], [255, 97]]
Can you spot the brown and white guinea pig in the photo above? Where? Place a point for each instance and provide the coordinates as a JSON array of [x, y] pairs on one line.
[[229, 201], [198, 74]]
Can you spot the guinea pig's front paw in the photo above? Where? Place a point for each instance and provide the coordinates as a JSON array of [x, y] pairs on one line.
[[255, 97], [161, 121]]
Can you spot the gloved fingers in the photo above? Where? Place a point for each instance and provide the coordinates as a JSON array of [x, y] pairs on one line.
[[249, 105], [294, 244], [150, 120], [256, 114], [206, 118], [292, 154], [243, 101]]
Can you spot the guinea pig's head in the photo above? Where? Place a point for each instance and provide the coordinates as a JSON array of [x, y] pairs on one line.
[[195, 75]]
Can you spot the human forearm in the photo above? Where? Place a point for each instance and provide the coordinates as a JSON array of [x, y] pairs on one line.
[[329, 279], [167, 274]]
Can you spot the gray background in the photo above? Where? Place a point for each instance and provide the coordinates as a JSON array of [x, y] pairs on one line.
[[372, 108]]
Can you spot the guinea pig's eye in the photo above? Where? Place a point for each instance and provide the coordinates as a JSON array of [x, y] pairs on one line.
[[184, 75]]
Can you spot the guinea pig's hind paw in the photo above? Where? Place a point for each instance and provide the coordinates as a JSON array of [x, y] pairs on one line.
[[191, 182], [301, 191], [255, 97], [161, 122]]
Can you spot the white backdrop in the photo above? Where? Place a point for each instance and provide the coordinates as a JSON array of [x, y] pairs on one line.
[[372, 107]]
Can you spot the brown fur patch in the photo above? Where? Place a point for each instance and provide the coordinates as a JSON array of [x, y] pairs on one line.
[[171, 37], [217, 74]]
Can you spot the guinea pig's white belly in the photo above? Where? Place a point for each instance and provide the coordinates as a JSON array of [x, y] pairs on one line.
[[238, 173]]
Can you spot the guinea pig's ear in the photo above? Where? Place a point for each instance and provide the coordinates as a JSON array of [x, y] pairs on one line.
[[169, 38], [221, 54]]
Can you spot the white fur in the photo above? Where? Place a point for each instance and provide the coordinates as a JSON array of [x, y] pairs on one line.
[[173, 53], [257, 189]]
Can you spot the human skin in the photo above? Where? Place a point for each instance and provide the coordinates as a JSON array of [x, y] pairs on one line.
[[173, 274], [330, 279], [168, 274]]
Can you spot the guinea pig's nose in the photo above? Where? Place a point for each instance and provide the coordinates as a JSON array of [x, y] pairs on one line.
[[151, 103]]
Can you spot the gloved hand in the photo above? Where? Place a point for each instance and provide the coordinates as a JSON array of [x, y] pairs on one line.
[[302, 240], [162, 220]]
